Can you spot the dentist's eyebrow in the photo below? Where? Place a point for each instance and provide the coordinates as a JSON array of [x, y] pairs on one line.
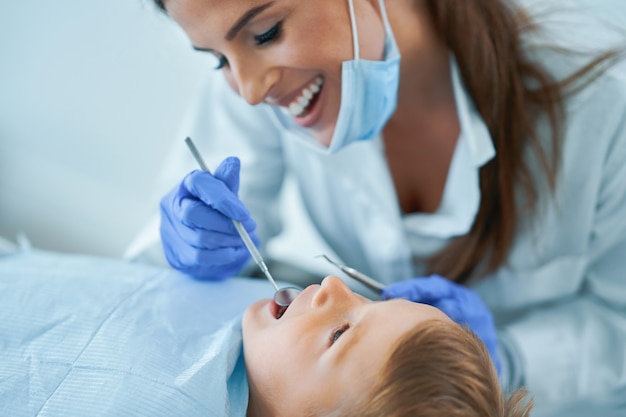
[[245, 19]]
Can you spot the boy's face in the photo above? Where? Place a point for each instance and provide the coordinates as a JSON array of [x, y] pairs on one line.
[[326, 350]]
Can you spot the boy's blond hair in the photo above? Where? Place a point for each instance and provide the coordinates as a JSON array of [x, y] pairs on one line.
[[440, 369]]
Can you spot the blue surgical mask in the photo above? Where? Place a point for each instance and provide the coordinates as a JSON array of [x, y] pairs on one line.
[[369, 94]]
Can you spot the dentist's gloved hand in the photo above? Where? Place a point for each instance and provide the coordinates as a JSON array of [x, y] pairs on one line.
[[197, 232], [460, 303]]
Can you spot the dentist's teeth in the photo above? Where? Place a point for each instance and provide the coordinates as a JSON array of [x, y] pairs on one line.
[[300, 104], [317, 84], [296, 109], [304, 101]]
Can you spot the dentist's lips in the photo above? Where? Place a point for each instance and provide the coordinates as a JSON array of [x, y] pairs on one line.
[[311, 113], [303, 106]]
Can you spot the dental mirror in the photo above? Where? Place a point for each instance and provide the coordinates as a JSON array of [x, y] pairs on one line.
[[284, 297]]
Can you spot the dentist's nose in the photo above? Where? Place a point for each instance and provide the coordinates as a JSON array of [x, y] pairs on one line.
[[252, 80], [333, 289]]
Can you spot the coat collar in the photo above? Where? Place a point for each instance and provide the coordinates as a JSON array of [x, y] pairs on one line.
[[461, 198]]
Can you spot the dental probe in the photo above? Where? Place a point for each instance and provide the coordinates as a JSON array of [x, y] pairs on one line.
[[240, 229], [369, 282]]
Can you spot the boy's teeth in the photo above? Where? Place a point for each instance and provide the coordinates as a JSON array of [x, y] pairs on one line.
[[297, 107]]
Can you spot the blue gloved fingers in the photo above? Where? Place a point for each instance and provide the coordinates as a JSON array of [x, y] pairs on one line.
[[461, 304], [196, 215], [452, 309], [425, 290], [182, 255], [469, 310], [228, 173], [231, 258], [181, 204], [213, 264], [197, 230], [223, 235], [214, 193], [223, 262]]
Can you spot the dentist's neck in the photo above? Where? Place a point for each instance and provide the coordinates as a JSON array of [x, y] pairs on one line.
[[424, 64]]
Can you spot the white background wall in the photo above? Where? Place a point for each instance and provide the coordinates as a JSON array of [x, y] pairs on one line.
[[91, 96]]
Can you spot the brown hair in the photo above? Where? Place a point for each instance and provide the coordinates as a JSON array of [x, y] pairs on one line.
[[440, 369], [485, 37]]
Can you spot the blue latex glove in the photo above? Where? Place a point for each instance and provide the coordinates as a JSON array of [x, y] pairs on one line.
[[460, 303], [197, 232]]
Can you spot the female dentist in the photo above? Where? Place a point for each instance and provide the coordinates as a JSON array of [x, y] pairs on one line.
[[442, 147]]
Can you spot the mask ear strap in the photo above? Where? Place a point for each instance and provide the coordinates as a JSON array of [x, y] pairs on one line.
[[355, 32], [383, 12]]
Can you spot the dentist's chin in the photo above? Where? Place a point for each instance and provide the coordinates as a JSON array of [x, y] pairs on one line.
[[323, 134]]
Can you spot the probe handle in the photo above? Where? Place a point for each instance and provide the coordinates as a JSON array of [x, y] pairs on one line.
[[240, 229], [254, 251]]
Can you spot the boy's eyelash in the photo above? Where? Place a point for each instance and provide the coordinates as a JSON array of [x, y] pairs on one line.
[[271, 35], [336, 333]]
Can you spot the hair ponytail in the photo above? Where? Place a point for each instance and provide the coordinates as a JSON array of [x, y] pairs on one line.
[[485, 37]]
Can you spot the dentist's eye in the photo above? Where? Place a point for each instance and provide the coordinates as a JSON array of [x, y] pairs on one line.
[[270, 35], [222, 62], [336, 334]]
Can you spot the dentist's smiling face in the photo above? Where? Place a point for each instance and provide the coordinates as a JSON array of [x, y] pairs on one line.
[[285, 52], [326, 350]]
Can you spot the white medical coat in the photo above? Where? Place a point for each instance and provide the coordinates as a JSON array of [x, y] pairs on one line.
[[560, 298]]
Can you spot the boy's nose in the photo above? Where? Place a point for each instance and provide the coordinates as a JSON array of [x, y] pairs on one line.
[[333, 289]]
